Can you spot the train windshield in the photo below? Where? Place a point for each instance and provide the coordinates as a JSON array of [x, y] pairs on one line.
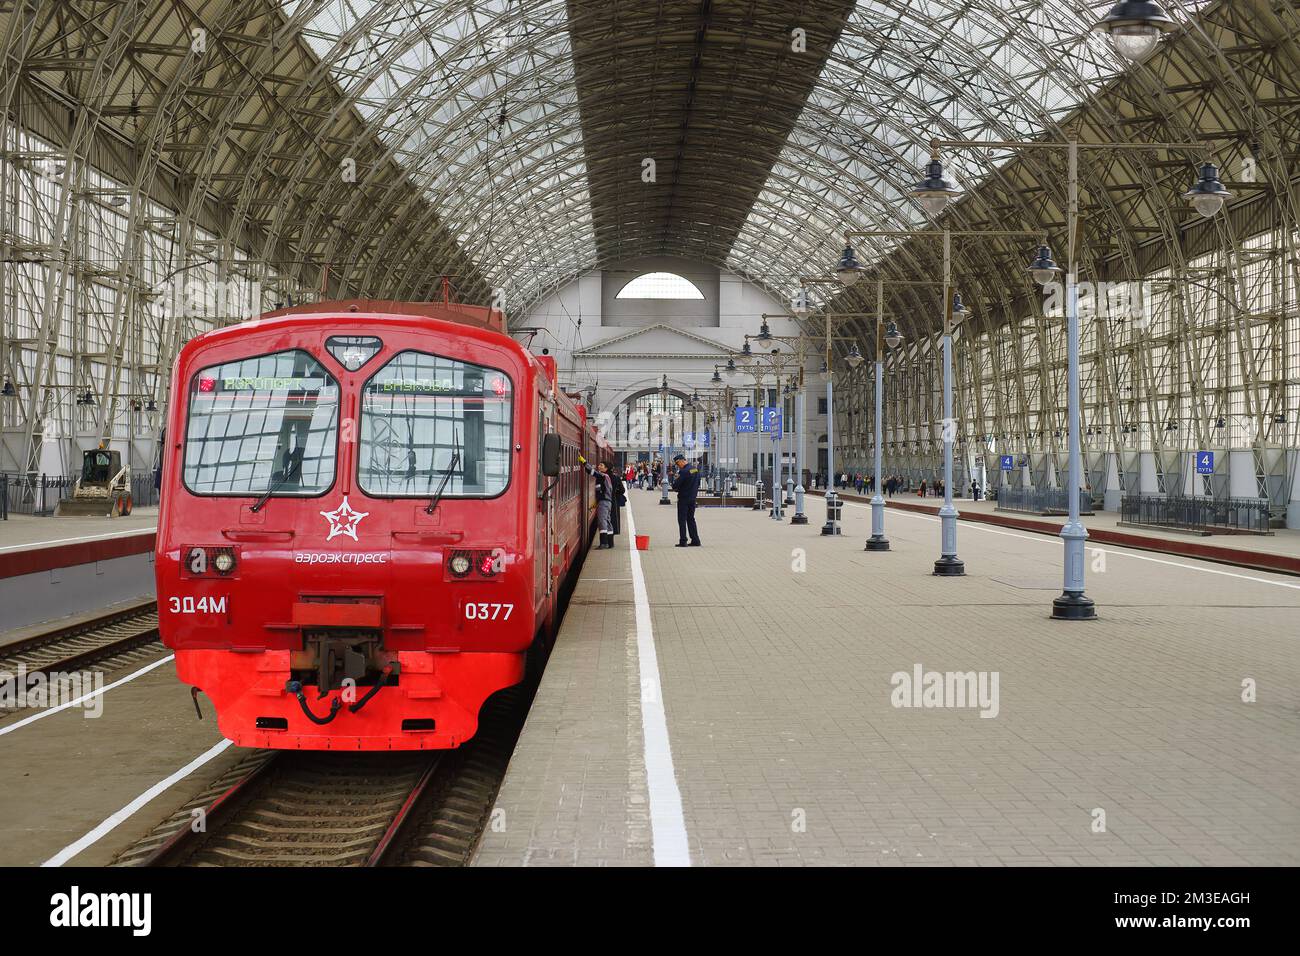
[[262, 423], [433, 426]]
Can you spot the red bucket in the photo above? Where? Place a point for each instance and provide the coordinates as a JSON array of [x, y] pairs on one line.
[[643, 542]]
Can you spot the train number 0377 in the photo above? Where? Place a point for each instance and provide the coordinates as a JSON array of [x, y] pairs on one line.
[[488, 612]]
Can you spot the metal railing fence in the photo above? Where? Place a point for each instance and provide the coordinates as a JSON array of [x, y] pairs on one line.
[[1193, 513], [1041, 500]]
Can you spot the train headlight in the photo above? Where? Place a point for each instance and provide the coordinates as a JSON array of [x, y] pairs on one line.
[[224, 562], [459, 564]]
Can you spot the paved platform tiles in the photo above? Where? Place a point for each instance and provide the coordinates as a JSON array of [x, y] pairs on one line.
[[69, 771], [787, 749], [1279, 551], [22, 532]]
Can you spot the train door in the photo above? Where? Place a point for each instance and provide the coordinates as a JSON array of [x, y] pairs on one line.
[[544, 516]]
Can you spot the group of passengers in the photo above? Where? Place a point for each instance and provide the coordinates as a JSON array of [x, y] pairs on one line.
[[865, 484], [611, 495]]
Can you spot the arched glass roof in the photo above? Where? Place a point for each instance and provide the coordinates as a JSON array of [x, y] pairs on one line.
[[528, 125], [512, 145]]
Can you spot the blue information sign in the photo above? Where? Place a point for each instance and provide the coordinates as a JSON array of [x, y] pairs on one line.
[[771, 419], [745, 418], [705, 441], [1205, 462], [688, 439], [1008, 462]]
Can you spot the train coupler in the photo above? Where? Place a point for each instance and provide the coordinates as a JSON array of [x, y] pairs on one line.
[[384, 674], [295, 687]]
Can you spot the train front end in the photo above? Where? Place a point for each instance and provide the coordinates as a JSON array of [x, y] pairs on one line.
[[345, 555]]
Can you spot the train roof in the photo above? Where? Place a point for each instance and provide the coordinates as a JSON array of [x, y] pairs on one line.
[[477, 316], [475, 322]]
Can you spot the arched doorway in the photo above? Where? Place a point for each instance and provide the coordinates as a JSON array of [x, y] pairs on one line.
[[654, 423]]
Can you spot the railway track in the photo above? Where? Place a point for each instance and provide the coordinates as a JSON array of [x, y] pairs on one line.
[[321, 808], [305, 809], [70, 648]]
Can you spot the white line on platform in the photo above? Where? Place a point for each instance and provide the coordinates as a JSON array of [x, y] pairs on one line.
[[81, 540], [10, 728], [1050, 539], [667, 824], [128, 811]]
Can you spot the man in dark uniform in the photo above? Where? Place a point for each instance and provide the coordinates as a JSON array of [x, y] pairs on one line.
[[687, 487], [619, 499]]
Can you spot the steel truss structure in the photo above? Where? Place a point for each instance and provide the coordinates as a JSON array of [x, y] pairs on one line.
[[168, 166], [1190, 329]]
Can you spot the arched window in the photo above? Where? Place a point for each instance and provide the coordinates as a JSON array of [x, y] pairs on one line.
[[656, 419], [660, 285]]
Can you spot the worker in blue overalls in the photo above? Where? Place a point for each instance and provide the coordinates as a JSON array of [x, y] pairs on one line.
[[687, 487]]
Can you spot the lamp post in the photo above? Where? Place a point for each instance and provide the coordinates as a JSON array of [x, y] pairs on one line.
[[847, 273], [776, 512], [931, 190], [893, 338], [717, 403], [715, 428], [1135, 28], [853, 358], [760, 365], [799, 414], [663, 446], [788, 464], [1207, 195], [765, 335], [948, 564]]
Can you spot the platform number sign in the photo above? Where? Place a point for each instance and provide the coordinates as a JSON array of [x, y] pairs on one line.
[[1008, 462], [772, 419], [1205, 462], [704, 439], [688, 439], [745, 421]]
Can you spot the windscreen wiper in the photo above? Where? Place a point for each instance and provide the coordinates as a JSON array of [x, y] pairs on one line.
[[295, 466], [446, 475]]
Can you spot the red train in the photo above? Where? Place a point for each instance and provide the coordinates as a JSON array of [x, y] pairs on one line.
[[369, 512]]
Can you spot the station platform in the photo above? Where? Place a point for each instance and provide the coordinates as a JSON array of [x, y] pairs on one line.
[[1278, 551], [52, 567], [748, 703]]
